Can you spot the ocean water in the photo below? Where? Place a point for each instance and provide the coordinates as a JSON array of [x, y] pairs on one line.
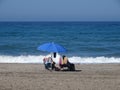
[[86, 42]]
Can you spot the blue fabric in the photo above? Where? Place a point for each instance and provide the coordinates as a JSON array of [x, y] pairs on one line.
[[51, 47], [48, 65]]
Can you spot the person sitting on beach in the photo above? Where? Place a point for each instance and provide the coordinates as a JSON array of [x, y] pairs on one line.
[[64, 62], [55, 58], [49, 64]]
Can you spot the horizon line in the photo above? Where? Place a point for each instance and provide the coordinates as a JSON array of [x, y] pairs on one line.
[[60, 21]]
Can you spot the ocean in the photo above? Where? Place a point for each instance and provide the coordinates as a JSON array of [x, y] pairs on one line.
[[86, 42]]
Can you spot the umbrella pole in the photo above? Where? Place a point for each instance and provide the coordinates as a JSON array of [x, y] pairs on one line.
[[51, 55]]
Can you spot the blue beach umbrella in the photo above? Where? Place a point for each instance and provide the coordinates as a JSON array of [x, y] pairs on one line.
[[51, 47]]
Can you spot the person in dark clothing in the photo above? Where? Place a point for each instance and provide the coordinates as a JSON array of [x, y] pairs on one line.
[[64, 62]]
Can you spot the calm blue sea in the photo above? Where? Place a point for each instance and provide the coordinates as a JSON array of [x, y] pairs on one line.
[[81, 39]]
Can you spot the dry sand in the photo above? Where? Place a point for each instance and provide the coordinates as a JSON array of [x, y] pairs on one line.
[[35, 77]]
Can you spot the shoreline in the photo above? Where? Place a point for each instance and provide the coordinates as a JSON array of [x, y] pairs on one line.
[[25, 76], [73, 59]]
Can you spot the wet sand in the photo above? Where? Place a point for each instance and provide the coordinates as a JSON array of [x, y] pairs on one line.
[[35, 77]]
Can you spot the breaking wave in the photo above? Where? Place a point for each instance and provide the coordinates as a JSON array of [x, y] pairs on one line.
[[73, 59]]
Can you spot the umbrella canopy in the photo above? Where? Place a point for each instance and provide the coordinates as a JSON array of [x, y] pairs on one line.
[[51, 47]]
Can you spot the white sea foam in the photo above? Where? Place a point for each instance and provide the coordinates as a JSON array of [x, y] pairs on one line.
[[74, 59], [94, 59]]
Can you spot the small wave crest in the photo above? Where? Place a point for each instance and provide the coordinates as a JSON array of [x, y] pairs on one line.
[[73, 59]]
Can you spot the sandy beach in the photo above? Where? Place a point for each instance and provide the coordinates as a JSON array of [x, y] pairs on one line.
[[35, 77]]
